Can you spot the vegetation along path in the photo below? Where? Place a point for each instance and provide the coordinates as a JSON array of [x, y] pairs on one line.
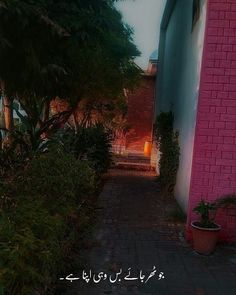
[[135, 232]]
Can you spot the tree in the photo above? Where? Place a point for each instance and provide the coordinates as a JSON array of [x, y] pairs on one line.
[[25, 56], [75, 50]]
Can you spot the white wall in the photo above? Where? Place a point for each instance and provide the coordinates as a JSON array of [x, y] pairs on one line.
[[179, 83]]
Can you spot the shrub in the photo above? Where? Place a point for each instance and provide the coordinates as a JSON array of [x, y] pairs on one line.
[[14, 153], [167, 141], [36, 209], [226, 201], [203, 209], [57, 177], [92, 143], [30, 246]]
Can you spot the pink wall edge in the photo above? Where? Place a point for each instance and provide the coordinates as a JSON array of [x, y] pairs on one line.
[[214, 153]]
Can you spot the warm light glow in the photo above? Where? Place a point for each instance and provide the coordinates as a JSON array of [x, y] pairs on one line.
[[147, 148]]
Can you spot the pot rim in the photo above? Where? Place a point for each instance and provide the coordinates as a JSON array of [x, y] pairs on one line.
[[205, 228]]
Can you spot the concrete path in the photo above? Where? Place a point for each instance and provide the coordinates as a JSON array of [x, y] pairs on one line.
[[134, 232]]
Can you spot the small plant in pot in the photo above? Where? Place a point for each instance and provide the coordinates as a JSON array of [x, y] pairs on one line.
[[205, 231]]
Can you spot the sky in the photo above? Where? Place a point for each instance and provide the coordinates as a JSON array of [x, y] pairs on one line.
[[144, 16]]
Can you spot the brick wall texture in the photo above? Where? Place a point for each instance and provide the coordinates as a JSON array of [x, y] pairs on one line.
[[140, 115], [214, 155]]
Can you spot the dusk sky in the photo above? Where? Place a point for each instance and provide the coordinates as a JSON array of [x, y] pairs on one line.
[[144, 16]]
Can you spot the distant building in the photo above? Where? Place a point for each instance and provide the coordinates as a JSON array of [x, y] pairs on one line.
[[141, 110], [197, 81], [138, 122]]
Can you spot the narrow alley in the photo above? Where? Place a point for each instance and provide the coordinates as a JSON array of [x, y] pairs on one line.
[[135, 232]]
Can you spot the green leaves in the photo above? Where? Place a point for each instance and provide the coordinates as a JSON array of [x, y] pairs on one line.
[[92, 143], [167, 141], [36, 223], [203, 209], [227, 201], [49, 41], [75, 50]]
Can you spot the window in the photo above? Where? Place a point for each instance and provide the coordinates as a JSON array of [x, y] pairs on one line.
[[196, 12]]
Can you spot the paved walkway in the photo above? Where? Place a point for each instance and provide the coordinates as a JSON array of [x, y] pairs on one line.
[[135, 232]]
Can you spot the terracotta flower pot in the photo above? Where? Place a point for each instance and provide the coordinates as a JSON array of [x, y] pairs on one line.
[[204, 239]]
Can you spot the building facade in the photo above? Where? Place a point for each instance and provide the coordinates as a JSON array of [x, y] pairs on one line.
[[140, 104], [138, 121], [197, 81]]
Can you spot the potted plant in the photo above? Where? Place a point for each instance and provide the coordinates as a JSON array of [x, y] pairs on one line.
[[205, 231]]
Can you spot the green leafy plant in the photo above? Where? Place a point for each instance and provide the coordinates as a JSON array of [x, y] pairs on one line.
[[92, 143], [203, 209], [13, 155], [227, 201], [40, 208], [22, 143], [49, 45], [30, 246], [168, 145], [177, 214]]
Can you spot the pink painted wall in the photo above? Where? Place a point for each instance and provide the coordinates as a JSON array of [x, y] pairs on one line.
[[214, 155]]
